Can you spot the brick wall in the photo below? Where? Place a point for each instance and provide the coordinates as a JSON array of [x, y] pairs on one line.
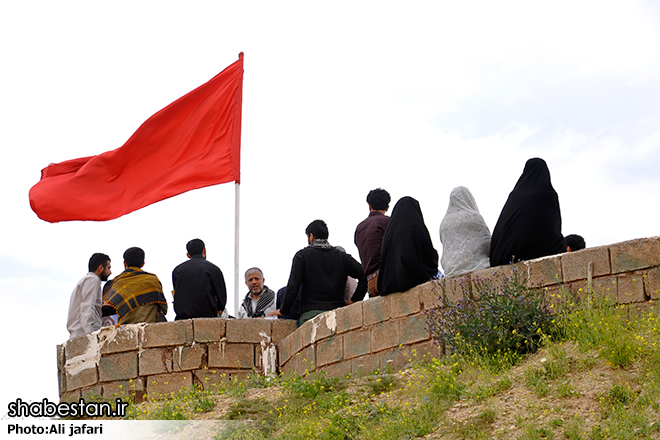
[[391, 330], [157, 359]]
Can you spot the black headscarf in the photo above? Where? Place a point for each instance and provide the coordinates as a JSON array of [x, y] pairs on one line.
[[408, 257], [530, 223]]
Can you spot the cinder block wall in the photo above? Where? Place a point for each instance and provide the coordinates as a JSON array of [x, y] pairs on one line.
[[158, 359], [391, 330]]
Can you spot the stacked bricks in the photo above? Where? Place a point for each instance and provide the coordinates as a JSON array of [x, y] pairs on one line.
[[156, 360], [373, 334], [391, 330]]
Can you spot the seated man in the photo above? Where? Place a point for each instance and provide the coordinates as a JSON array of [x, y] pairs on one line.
[[136, 295], [260, 300], [369, 236], [85, 304], [320, 271], [199, 286], [574, 243]]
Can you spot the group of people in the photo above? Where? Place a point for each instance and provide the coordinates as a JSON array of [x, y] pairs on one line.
[[136, 296], [396, 254], [529, 226]]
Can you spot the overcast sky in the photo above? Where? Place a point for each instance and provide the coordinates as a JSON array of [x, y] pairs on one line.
[[339, 98]]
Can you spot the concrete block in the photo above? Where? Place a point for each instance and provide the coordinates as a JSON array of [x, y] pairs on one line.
[[606, 286], [357, 343], [638, 311], [545, 271], [413, 329], [635, 254], [395, 359], [61, 376], [282, 328], [164, 334], [247, 330], [133, 388], [119, 339], [652, 283], [404, 304], [350, 317], [305, 360], [630, 288], [208, 329], [284, 351], [330, 350], [574, 265], [61, 357], [338, 369], [189, 358], [70, 396], [289, 367], [323, 326], [81, 378], [80, 345], [427, 350], [165, 386], [305, 332], [454, 288], [210, 378], [497, 274], [91, 394], [155, 361], [366, 364], [384, 335], [556, 295], [225, 355], [428, 294], [376, 310], [578, 289], [118, 366]]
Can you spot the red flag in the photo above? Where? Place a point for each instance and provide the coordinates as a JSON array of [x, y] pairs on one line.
[[192, 143]]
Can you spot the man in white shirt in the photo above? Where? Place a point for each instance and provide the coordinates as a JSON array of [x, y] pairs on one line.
[[86, 299], [260, 300]]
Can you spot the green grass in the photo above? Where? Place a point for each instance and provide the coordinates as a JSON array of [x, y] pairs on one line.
[[617, 361]]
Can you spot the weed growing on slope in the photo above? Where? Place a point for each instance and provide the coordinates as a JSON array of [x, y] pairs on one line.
[[494, 321]]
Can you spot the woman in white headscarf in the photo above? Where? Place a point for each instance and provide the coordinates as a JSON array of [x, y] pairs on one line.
[[464, 235]]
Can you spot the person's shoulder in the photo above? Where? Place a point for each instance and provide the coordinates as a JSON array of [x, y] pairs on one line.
[[304, 251], [181, 266], [152, 275], [363, 224], [211, 265], [90, 277]]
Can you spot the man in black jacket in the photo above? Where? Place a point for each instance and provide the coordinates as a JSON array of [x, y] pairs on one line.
[[320, 271], [199, 287]]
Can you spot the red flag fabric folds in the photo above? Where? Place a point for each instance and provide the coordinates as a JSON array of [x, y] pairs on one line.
[[192, 143]]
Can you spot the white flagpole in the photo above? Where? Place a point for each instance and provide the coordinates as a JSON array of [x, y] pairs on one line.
[[236, 222]]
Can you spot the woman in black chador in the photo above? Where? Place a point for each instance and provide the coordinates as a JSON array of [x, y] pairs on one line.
[[530, 223], [408, 257]]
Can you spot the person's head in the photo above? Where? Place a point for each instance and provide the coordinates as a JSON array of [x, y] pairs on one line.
[[134, 257], [378, 199], [100, 265], [317, 230], [574, 243], [196, 247], [254, 279]]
